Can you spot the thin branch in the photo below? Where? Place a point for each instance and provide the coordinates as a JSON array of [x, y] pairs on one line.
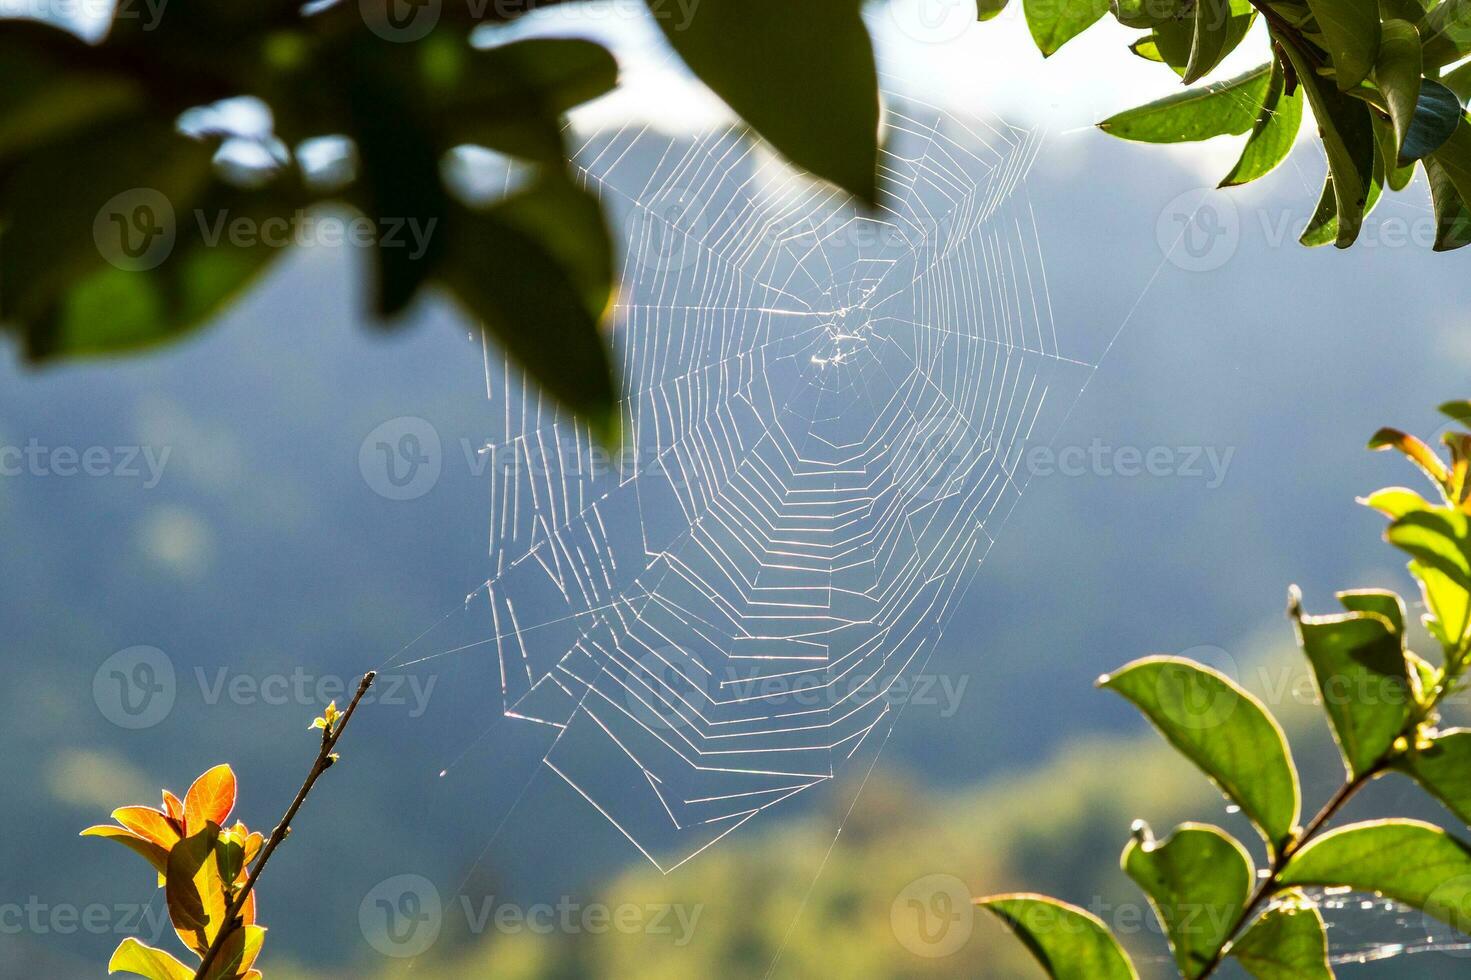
[[323, 762]]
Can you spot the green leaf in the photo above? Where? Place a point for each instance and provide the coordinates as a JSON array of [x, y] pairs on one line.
[[1359, 666], [511, 97], [1404, 860], [1055, 22], [1437, 538], [1437, 115], [132, 956], [987, 9], [1197, 881], [1442, 764], [1322, 228], [1446, 33], [1449, 170], [1458, 80], [1195, 114], [1273, 133], [1397, 73], [1395, 502], [1148, 49], [1449, 605], [194, 890], [237, 953], [1397, 177], [536, 270], [1069, 943], [1225, 731], [1351, 34], [1148, 14], [806, 82], [399, 186], [1286, 942], [48, 94], [1382, 602], [1348, 140], [1415, 450], [1216, 29]]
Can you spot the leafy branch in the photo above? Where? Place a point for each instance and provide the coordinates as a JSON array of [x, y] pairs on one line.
[[208, 872], [1382, 703]]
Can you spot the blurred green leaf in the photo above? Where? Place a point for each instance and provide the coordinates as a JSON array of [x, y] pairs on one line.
[[1286, 942], [1225, 731], [1348, 140], [536, 270], [52, 87], [1195, 114], [511, 97], [1273, 133], [399, 161], [1404, 860], [1458, 80], [1442, 764], [1069, 943], [133, 956], [1148, 49], [1351, 33], [1197, 880], [805, 82], [1359, 666]]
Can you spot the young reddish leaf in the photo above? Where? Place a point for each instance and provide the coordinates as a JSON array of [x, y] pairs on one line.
[[209, 800], [151, 852], [155, 964], [1419, 453], [174, 807], [148, 823]]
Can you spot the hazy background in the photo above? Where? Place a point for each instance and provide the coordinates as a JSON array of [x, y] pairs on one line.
[[262, 552]]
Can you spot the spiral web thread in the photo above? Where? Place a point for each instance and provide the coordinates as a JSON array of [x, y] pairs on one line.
[[822, 417]]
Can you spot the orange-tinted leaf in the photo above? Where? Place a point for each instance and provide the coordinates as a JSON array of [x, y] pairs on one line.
[[195, 891], [237, 953], [247, 910], [253, 844], [209, 800], [148, 823], [174, 807], [155, 964], [151, 852], [1419, 453]]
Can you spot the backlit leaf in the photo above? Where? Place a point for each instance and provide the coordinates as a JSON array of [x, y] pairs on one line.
[[1195, 114], [1069, 943], [1273, 133], [1351, 30], [1286, 942], [132, 956], [1224, 730], [209, 800], [1442, 764]]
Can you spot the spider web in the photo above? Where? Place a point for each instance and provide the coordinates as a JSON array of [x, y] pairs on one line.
[[823, 415]]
